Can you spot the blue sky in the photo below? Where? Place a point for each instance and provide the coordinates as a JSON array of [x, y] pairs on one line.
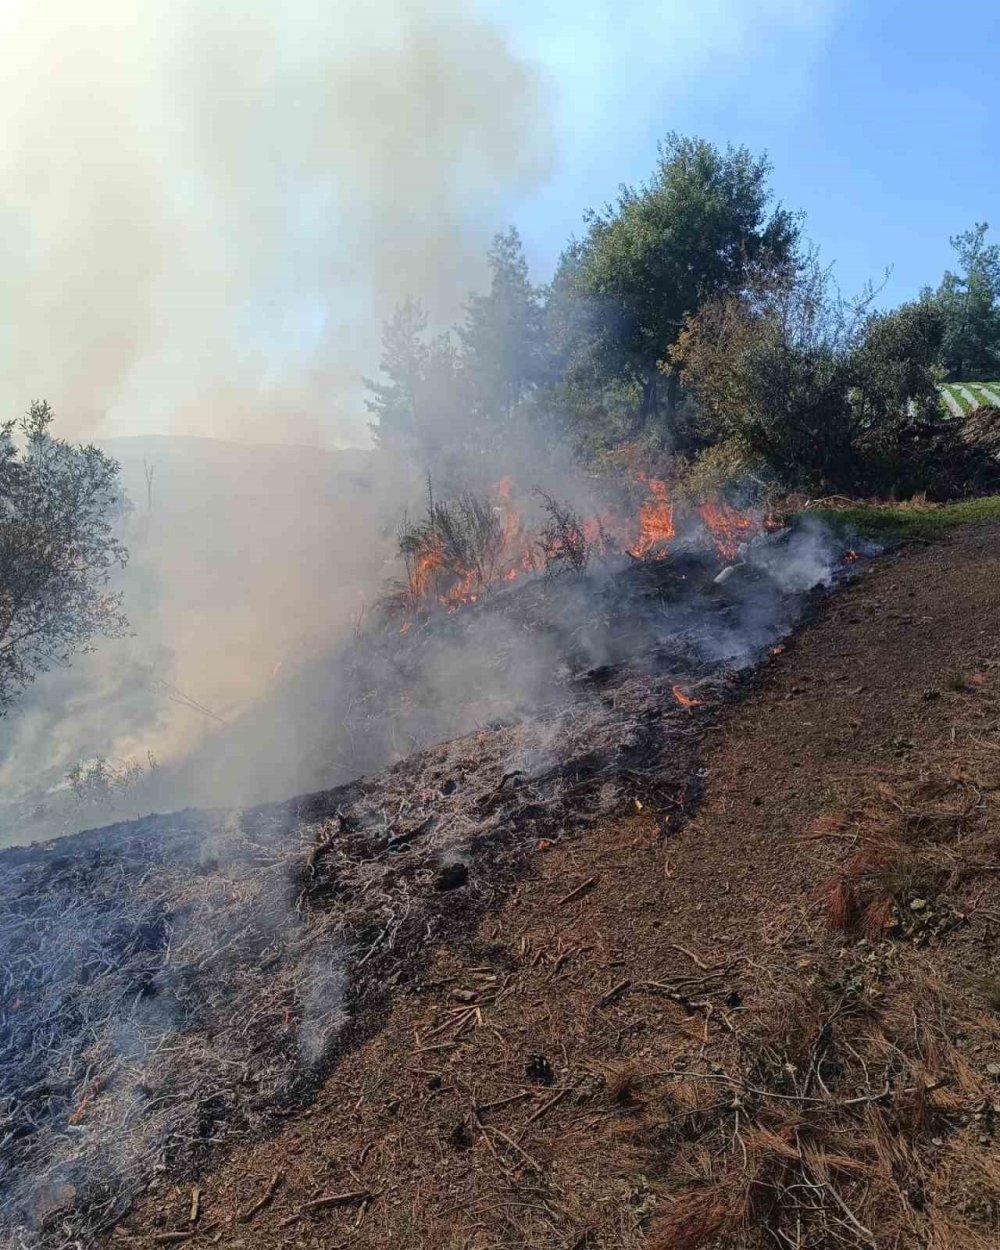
[[880, 116], [208, 210]]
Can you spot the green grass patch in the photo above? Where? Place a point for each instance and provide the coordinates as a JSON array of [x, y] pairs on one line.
[[979, 389], [975, 389], [909, 521], [963, 401]]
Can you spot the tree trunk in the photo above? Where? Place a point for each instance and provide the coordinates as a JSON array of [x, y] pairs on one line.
[[649, 405]]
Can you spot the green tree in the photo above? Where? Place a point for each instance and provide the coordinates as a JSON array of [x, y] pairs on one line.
[[58, 549], [397, 399], [700, 229], [418, 401], [503, 356], [970, 303], [824, 391]]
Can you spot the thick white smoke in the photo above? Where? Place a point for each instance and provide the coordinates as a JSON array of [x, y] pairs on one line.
[[207, 209]]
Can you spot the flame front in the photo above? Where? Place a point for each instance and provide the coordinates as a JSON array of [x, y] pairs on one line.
[[729, 529], [656, 518], [438, 574]]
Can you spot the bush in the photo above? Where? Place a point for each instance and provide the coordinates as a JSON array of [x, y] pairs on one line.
[[57, 549], [829, 395]]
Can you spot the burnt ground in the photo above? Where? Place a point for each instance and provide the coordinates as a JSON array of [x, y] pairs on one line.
[[176, 985], [776, 1026]]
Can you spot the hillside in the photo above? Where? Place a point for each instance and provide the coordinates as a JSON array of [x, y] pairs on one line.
[[233, 579], [780, 1015]]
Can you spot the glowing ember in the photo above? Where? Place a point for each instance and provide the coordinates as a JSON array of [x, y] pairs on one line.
[[728, 528], [850, 556], [656, 518], [685, 700]]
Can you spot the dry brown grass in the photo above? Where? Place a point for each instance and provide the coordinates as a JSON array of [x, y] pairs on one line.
[[857, 1108]]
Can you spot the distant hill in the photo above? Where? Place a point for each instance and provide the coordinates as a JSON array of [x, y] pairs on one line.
[[244, 560]]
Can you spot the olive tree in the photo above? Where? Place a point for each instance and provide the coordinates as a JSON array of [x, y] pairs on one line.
[[58, 549]]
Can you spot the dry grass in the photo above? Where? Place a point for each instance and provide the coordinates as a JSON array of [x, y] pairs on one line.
[[857, 1107]]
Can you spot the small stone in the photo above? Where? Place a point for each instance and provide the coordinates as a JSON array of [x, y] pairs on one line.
[[993, 1069]]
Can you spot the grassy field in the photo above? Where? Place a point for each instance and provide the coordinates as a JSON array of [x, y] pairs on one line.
[[910, 520], [965, 396]]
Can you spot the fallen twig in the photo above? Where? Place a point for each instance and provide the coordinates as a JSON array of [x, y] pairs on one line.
[[580, 889], [263, 1200], [547, 1106], [338, 1200], [615, 990]]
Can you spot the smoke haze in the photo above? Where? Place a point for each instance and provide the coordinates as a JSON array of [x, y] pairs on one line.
[[208, 209]]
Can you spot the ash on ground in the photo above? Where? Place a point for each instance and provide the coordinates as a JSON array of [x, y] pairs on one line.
[[171, 984]]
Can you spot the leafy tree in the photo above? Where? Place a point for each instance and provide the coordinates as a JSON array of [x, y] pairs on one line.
[[502, 342], [449, 404], [57, 549], [970, 303], [894, 365], [698, 230], [822, 390], [397, 400], [419, 401]]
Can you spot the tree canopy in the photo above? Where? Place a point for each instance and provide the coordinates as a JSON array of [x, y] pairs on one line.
[[57, 549], [698, 230], [970, 303]]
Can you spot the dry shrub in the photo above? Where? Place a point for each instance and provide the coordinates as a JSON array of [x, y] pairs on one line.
[[694, 1218], [840, 901]]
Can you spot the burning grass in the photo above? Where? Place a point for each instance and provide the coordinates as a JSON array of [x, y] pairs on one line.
[[466, 548]]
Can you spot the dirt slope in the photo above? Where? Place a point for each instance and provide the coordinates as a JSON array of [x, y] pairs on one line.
[[727, 1035]]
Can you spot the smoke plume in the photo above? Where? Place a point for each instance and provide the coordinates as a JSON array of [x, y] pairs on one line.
[[208, 209]]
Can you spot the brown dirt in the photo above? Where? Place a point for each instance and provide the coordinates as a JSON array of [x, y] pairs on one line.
[[688, 1051]]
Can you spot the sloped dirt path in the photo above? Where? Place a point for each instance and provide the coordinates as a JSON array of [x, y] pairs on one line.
[[532, 1092]]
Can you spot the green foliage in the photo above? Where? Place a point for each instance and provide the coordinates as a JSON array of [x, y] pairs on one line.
[[451, 399], [697, 277], [418, 403], [696, 231], [503, 356], [970, 304], [57, 549], [822, 390], [101, 780], [908, 522]]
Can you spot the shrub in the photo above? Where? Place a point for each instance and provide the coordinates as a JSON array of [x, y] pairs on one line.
[[830, 395]]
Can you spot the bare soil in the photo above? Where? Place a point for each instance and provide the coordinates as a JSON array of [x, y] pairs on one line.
[[775, 1024]]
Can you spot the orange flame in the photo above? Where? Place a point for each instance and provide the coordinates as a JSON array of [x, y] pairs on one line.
[[434, 579], [685, 700], [656, 518], [727, 527]]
